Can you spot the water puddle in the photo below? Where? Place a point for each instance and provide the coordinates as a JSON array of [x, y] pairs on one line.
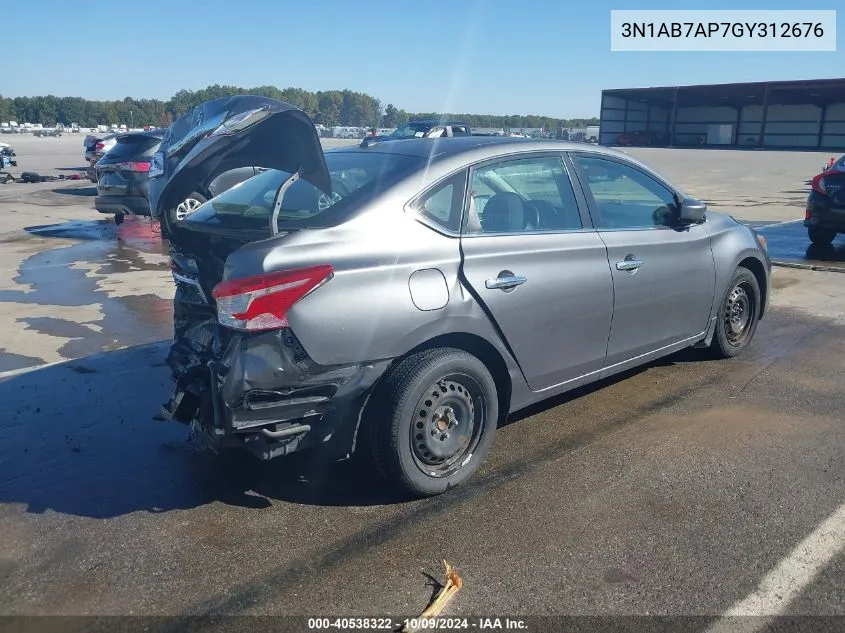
[[92, 272]]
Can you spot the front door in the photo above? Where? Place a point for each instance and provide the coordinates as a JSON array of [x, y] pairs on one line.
[[542, 278], [663, 273]]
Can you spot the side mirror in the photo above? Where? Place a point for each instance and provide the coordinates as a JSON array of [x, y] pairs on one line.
[[692, 211]]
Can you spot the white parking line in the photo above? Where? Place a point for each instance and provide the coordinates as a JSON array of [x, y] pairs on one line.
[[767, 226], [786, 581], [25, 370]]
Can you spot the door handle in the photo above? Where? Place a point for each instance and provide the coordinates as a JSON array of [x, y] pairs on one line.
[[629, 264], [505, 282]]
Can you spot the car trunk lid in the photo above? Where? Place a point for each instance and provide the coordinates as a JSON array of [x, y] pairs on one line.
[[226, 134]]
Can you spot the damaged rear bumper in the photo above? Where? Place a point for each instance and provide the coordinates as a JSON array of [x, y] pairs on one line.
[[266, 395]]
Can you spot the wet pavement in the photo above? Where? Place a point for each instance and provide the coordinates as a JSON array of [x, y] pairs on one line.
[[789, 245], [102, 288], [673, 489]]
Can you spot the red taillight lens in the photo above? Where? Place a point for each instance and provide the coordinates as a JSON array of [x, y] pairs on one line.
[[262, 302], [100, 145], [818, 184], [133, 166]]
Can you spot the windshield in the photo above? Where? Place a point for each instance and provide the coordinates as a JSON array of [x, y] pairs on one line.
[[411, 130], [354, 175]]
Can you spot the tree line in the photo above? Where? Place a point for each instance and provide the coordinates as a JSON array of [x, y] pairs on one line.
[[329, 108]]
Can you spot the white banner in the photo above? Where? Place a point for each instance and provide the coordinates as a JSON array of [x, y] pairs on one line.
[[722, 30]]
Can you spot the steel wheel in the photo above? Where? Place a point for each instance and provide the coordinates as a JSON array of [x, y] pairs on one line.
[[739, 314], [432, 420], [187, 207], [447, 425]]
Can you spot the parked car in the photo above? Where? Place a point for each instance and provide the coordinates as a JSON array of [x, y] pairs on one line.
[[825, 215], [408, 295], [638, 138], [7, 159], [123, 178], [122, 175]]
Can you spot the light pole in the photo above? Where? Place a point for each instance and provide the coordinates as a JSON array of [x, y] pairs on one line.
[[131, 119]]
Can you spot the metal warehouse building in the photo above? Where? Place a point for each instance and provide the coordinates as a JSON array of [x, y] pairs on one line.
[[783, 114]]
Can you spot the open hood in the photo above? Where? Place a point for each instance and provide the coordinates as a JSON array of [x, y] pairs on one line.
[[225, 134]]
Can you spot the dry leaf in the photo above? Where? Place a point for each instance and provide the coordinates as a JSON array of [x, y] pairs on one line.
[[447, 592]]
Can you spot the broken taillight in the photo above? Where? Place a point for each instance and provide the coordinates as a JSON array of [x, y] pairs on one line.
[[262, 302], [818, 184]]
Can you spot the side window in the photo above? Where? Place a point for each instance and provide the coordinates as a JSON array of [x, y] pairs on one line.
[[625, 197], [437, 132], [522, 195], [443, 204], [459, 130]]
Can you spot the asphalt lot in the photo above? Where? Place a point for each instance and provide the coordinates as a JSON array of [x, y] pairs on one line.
[[683, 488]]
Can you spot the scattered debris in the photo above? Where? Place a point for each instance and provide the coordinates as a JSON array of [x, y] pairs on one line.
[[447, 592]]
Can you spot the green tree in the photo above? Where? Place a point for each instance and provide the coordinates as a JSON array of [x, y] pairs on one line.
[[330, 107]]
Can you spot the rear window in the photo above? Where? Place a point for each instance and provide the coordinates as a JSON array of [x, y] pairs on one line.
[[354, 175], [130, 146]]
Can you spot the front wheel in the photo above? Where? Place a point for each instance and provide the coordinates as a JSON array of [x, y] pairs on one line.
[[738, 315], [820, 236], [433, 421]]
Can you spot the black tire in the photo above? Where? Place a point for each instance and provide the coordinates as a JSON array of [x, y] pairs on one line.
[[738, 315], [414, 411], [820, 236]]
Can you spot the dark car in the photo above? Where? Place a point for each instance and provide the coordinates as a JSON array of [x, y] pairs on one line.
[[407, 295], [825, 216], [122, 174], [123, 178]]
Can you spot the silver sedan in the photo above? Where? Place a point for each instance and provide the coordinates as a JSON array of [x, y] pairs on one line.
[[408, 296]]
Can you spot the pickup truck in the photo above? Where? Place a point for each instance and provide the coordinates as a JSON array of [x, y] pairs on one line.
[[428, 128]]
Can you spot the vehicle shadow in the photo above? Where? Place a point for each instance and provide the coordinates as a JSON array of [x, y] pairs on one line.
[[79, 438], [76, 191], [827, 253]]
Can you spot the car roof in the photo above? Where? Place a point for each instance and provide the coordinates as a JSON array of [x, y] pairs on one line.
[[437, 122], [488, 146]]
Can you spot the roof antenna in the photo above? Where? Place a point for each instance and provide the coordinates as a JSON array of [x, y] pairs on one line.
[[277, 205]]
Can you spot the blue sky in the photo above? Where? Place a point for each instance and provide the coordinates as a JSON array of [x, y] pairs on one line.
[[548, 57]]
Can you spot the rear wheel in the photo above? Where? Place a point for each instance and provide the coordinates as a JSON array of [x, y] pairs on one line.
[[738, 315], [820, 236], [189, 205], [433, 421]]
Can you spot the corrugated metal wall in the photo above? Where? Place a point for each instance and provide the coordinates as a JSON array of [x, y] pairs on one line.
[[786, 125]]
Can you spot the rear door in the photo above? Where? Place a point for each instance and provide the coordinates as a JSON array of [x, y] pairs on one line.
[[537, 268], [663, 274]]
